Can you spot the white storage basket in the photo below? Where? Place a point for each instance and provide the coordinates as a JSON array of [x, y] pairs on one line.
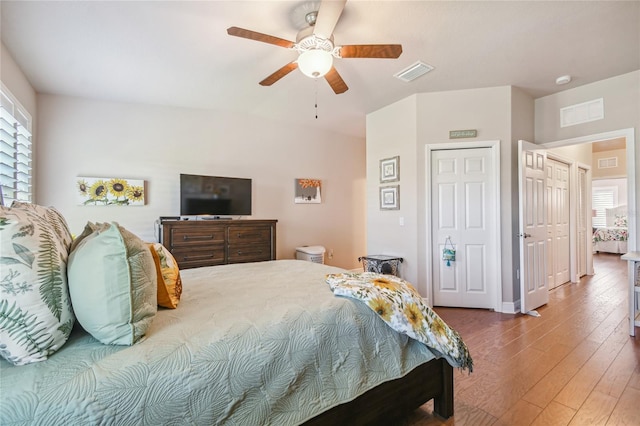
[[310, 253]]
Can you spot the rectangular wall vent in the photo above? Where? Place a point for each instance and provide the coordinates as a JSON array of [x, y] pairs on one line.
[[582, 113], [413, 71], [608, 163]]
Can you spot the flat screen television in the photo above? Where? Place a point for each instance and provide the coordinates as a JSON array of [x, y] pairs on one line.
[[214, 196]]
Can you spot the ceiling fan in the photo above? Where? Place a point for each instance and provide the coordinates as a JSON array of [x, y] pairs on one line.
[[316, 47]]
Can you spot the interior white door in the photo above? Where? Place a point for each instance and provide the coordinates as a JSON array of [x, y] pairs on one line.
[[558, 241], [534, 289], [463, 191], [584, 206]]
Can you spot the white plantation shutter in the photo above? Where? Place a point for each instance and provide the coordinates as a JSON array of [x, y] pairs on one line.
[[601, 199], [15, 150]]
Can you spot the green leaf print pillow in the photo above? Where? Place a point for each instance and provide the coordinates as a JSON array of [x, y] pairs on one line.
[[35, 310]]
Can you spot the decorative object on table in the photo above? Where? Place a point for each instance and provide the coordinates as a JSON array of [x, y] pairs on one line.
[[381, 264], [448, 253], [390, 169], [307, 191], [110, 191], [390, 197]]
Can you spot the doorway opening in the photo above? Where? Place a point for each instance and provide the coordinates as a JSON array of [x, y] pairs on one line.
[[582, 238]]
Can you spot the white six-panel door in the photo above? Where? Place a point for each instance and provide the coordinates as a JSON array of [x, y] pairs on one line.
[[558, 249], [463, 193], [534, 289]]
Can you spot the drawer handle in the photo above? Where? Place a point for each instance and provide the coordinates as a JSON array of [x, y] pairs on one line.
[[205, 256], [198, 237], [240, 252], [245, 235]]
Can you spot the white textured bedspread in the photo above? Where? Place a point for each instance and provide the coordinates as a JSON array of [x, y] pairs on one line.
[[250, 344]]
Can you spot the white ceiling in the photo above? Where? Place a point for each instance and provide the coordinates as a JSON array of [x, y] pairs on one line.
[[178, 52]]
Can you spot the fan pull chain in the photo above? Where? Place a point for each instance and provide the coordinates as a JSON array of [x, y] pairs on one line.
[[316, 88]]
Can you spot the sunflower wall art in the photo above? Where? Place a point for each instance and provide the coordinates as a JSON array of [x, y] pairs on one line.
[[109, 191]]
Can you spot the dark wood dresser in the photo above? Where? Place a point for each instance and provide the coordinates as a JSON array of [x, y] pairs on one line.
[[196, 243]]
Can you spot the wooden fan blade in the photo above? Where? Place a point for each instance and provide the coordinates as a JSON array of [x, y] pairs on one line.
[[390, 51], [265, 38], [335, 81], [328, 15], [279, 74]]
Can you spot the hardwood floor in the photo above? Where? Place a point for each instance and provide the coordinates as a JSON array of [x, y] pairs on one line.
[[574, 365]]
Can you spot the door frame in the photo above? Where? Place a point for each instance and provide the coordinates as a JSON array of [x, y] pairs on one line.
[[494, 145], [629, 135]]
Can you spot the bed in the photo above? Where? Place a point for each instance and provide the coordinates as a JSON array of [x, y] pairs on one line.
[[250, 344], [613, 237]]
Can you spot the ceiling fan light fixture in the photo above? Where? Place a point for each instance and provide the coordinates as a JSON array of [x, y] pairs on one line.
[[315, 63]]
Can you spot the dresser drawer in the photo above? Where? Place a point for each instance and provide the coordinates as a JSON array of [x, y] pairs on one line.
[[249, 253], [197, 243], [249, 234], [202, 235], [205, 256]]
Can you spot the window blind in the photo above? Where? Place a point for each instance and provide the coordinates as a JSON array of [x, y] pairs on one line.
[[15, 150], [601, 199]]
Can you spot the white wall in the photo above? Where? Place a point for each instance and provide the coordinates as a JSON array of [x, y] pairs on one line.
[[79, 137], [621, 96]]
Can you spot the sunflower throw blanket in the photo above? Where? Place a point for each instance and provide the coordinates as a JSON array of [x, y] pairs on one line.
[[400, 305]]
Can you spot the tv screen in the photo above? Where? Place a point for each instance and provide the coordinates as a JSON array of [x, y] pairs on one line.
[[214, 195]]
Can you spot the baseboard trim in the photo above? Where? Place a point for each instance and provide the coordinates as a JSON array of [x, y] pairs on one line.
[[511, 307]]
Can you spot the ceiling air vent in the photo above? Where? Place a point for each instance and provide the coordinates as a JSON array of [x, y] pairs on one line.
[[413, 71]]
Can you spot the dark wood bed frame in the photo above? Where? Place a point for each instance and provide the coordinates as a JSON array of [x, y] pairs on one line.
[[397, 398]]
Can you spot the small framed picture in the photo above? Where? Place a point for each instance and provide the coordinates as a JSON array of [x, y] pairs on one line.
[[390, 169], [307, 191], [390, 197]]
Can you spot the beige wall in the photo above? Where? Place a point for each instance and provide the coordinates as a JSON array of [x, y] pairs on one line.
[[621, 96], [522, 128], [581, 153], [15, 80], [80, 137], [392, 131], [405, 128]]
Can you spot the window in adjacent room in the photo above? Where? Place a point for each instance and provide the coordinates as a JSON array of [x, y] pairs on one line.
[[603, 198], [15, 150]]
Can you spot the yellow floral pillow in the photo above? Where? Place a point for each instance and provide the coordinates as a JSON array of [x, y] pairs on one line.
[[400, 305], [169, 282]]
